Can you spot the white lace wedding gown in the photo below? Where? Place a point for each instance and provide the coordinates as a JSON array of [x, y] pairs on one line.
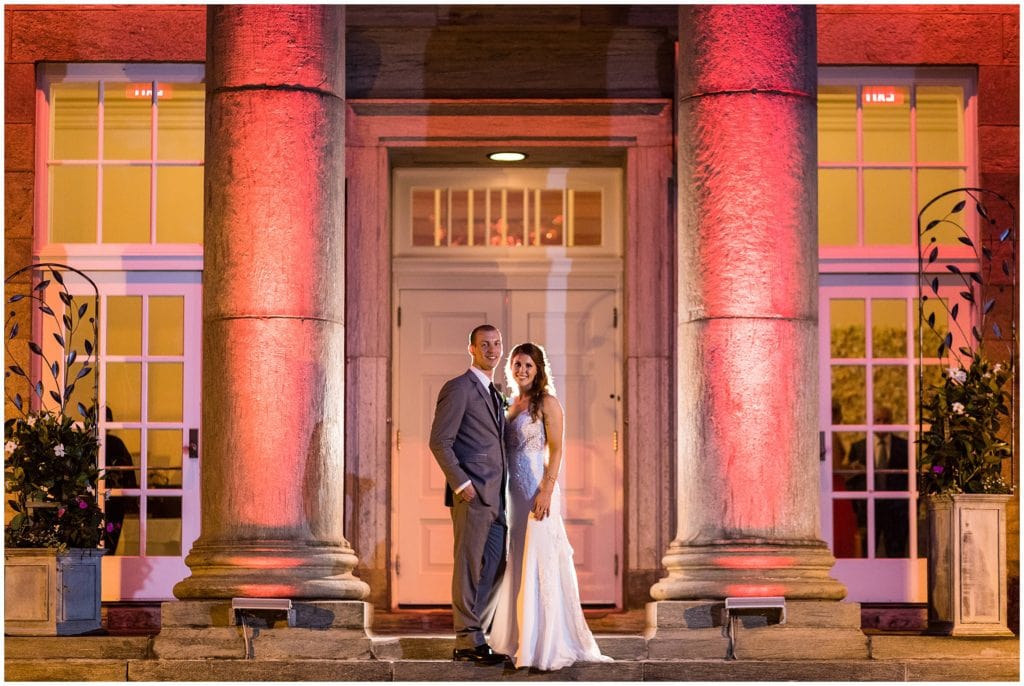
[[538, 620]]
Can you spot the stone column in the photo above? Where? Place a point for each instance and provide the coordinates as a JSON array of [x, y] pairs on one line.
[[273, 319], [747, 472]]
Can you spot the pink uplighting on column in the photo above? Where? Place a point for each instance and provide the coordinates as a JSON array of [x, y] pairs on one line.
[[747, 308], [273, 472]]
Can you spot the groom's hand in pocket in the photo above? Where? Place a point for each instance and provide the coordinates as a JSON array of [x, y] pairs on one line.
[[468, 494]]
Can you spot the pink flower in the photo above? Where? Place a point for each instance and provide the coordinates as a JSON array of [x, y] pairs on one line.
[[110, 527], [82, 504], [60, 512], [938, 469]]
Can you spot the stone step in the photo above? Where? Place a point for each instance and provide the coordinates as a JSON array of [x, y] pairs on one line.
[[618, 647], [980, 669], [77, 647]]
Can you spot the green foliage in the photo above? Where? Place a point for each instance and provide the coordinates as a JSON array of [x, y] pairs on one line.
[[51, 474], [962, 451]]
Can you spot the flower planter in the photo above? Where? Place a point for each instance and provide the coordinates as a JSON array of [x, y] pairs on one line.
[[47, 593], [967, 565]]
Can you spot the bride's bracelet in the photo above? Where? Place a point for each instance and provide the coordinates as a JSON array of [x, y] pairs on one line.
[[549, 478]]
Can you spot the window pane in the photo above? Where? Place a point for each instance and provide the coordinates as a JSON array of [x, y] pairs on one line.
[[163, 526], [890, 394], [122, 535], [930, 183], [889, 327], [847, 322], [849, 472], [180, 124], [121, 451], [837, 123], [929, 337], [892, 527], [891, 461], [425, 230], [887, 128], [513, 216], [124, 325], [124, 390], [940, 124], [75, 121], [163, 455], [586, 218], [459, 226], [166, 391], [849, 528], [932, 378], [552, 219], [126, 192], [888, 219], [127, 123], [166, 325], [848, 392], [837, 206], [73, 204], [479, 205], [179, 205]]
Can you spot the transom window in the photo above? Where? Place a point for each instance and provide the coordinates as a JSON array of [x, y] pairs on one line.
[[506, 210], [888, 141], [122, 156]]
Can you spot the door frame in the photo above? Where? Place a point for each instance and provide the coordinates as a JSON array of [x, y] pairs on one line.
[[440, 277], [640, 132]]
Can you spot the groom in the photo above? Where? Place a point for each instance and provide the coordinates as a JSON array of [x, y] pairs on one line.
[[466, 440]]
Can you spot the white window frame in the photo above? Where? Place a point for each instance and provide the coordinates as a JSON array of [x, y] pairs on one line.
[[98, 256], [607, 180], [891, 259]]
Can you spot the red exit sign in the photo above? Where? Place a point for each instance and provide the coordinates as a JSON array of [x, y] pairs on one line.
[[139, 91], [882, 95]]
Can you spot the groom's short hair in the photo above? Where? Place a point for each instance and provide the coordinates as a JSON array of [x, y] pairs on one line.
[[481, 328]]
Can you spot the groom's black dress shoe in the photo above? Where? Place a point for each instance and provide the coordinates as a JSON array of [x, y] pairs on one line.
[[482, 654]]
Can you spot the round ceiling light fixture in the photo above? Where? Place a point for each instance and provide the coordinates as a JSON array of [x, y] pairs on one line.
[[507, 156]]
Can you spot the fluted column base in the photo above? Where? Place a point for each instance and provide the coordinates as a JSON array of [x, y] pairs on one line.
[[271, 569], [714, 571]]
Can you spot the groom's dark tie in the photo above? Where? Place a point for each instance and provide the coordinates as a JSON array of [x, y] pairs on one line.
[[496, 400]]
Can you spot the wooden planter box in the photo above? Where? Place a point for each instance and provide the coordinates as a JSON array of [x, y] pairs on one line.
[[51, 594], [967, 565]]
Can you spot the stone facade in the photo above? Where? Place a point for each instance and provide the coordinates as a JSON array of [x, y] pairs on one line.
[[414, 53]]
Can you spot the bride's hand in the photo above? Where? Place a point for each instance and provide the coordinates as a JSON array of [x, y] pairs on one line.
[[542, 502]]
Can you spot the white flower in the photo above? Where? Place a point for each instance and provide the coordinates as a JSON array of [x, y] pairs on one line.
[[958, 408], [10, 447], [31, 421], [59, 450], [957, 375], [997, 368]]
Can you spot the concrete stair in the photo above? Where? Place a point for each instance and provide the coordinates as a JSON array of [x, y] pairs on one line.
[[427, 658]]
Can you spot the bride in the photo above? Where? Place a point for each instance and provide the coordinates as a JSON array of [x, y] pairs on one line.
[[538, 621]]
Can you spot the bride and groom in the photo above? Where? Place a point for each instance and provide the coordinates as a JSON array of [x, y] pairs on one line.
[[501, 476]]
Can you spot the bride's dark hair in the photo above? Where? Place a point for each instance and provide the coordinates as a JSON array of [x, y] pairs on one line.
[[542, 385]]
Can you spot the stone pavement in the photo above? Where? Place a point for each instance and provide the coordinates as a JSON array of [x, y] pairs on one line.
[[909, 657]]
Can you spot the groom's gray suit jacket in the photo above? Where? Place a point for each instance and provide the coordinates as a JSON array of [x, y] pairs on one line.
[[466, 440]]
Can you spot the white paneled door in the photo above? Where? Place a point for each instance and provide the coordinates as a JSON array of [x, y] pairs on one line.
[[579, 330]]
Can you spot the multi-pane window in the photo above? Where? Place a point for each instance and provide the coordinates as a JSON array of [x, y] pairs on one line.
[[448, 217], [497, 210], [889, 140], [886, 145], [123, 154], [874, 371]]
